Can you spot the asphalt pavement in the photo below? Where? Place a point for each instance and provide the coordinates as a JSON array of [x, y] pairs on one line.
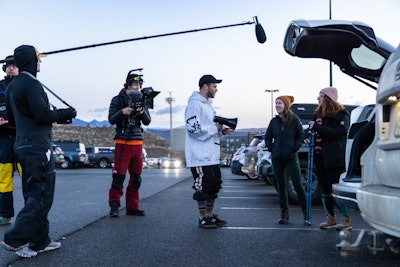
[[169, 234]]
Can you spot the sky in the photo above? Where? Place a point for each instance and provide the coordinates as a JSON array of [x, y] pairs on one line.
[[87, 79]]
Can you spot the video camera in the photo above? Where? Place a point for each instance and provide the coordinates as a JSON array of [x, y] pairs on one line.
[[139, 100]]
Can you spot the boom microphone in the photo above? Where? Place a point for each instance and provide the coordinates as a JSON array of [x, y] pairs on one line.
[[260, 33]]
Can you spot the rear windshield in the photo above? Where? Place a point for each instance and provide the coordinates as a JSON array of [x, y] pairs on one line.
[[366, 58]]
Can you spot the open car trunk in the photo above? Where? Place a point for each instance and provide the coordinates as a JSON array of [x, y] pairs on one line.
[[372, 178]]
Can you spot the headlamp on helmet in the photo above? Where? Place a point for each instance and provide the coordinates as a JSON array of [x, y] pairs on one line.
[[134, 77]]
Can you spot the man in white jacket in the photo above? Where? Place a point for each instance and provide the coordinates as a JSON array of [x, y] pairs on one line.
[[202, 149]]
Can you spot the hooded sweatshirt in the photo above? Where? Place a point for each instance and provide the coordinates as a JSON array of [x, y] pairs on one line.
[[27, 103], [202, 146]]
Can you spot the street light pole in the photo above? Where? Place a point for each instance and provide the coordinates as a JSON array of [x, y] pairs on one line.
[[170, 100], [272, 91]]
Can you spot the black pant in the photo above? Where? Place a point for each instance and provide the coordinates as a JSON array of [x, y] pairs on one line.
[[38, 182], [326, 176], [7, 160]]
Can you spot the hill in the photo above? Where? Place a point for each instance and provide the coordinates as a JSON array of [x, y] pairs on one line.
[[103, 136]]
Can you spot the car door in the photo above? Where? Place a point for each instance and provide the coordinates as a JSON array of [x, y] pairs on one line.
[[352, 46]]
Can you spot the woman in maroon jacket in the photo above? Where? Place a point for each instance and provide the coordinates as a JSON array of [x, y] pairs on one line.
[[331, 123]]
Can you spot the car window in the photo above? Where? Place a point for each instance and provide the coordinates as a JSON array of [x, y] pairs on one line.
[[68, 146], [366, 58], [81, 147]]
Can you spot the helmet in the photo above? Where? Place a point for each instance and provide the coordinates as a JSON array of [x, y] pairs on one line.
[[134, 77], [8, 61]]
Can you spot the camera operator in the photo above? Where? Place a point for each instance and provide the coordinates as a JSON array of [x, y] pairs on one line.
[[128, 111]]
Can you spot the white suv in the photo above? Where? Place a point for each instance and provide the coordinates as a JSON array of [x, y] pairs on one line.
[[374, 155]]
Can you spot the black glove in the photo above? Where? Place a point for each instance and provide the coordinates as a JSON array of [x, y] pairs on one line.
[[66, 115], [70, 112]]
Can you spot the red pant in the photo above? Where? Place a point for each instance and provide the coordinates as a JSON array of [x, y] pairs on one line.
[[126, 158]]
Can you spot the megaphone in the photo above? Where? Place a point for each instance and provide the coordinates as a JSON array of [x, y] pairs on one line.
[[231, 123]]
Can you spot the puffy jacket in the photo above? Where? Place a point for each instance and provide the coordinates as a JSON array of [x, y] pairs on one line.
[[202, 147], [333, 131], [128, 127], [6, 128], [283, 141]]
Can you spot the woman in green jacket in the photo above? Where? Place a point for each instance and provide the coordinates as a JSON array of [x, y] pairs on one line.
[[283, 138]]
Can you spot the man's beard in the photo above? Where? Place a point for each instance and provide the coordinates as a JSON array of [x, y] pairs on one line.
[[210, 94]]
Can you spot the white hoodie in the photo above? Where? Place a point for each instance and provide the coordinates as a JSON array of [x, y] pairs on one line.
[[202, 146]]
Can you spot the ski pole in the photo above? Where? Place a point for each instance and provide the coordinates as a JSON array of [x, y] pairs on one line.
[[307, 221]]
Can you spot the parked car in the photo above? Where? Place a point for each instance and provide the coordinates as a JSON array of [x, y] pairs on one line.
[[102, 157], [171, 163], [74, 153], [237, 161], [251, 156], [373, 161], [58, 154], [153, 162], [224, 162], [264, 166], [361, 135]]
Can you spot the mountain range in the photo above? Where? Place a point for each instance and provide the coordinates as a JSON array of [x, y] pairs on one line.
[[161, 132], [93, 123]]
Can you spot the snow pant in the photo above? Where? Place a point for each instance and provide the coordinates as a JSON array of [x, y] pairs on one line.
[[7, 160], [126, 158], [327, 177], [34, 152], [207, 182]]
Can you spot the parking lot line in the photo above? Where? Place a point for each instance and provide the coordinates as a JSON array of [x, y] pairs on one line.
[[241, 191], [271, 228], [248, 197], [242, 208]]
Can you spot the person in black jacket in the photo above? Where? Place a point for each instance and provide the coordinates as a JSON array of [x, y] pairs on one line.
[[128, 111], [7, 140], [29, 110], [331, 123], [283, 138]]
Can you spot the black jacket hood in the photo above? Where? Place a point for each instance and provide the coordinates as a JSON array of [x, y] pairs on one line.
[[26, 59]]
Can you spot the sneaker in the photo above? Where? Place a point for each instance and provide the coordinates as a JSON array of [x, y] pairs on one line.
[[52, 246], [136, 212], [114, 212], [214, 219], [344, 225], [206, 222], [7, 246], [11, 248], [283, 220], [329, 223], [26, 252], [4, 220]]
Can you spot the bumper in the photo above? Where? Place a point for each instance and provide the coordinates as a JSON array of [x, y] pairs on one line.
[[379, 207], [346, 193], [236, 167]]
